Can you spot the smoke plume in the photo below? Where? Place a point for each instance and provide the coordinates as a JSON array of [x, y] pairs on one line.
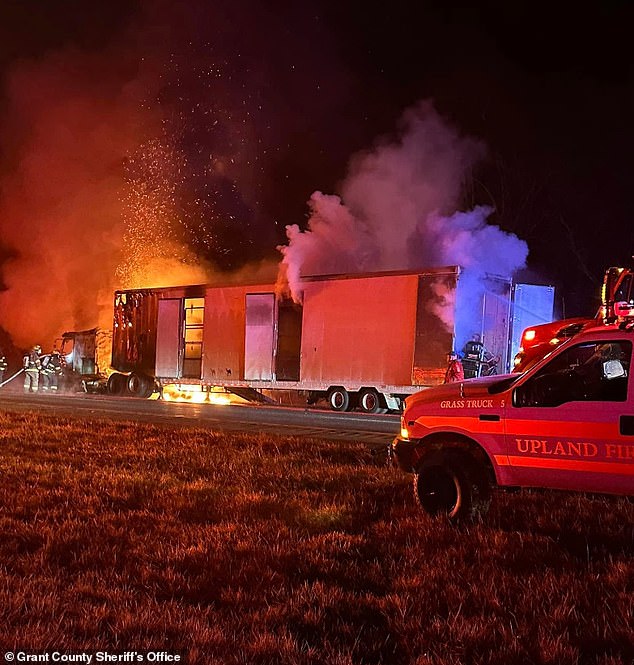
[[69, 124], [76, 220], [400, 209]]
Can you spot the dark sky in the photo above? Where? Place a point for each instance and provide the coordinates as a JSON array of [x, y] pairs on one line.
[[267, 101]]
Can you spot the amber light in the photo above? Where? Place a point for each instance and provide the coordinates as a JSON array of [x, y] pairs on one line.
[[529, 335], [404, 431]]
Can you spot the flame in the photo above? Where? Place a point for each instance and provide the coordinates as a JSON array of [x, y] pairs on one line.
[[196, 394]]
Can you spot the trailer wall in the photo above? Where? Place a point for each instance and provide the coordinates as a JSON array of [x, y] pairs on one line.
[[359, 330], [225, 333]]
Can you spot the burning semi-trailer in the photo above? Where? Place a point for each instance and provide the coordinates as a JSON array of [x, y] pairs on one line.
[[357, 340]]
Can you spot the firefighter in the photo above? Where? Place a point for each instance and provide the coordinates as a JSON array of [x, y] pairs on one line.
[[51, 371], [43, 386], [32, 365], [455, 371], [3, 364], [472, 353], [478, 361]]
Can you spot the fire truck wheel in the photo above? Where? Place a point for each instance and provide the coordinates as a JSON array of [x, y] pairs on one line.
[[451, 483], [116, 384], [370, 401], [140, 385], [339, 399]]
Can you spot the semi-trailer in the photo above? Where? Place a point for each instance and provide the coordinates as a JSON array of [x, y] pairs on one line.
[[358, 340]]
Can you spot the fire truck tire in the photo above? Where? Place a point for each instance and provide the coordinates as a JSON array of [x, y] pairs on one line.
[[339, 399], [452, 483], [370, 401], [140, 385], [116, 384]]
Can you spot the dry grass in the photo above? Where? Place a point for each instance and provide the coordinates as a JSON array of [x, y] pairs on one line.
[[231, 548]]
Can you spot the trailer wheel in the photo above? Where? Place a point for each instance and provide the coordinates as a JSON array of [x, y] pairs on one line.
[[370, 401], [140, 385], [451, 483], [339, 399], [116, 384]]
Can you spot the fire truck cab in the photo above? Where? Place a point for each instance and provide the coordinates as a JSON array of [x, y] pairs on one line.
[[536, 341], [566, 423]]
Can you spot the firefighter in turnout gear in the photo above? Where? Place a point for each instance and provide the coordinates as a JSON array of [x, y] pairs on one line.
[[455, 371], [477, 360], [32, 365], [51, 370]]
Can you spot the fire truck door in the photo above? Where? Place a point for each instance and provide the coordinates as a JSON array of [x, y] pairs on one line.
[[566, 426]]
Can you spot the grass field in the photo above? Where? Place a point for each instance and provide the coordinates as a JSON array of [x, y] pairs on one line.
[[231, 548]]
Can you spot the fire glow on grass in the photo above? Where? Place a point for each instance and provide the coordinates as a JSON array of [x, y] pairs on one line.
[[196, 394]]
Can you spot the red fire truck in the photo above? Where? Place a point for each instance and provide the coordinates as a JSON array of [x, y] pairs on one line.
[[538, 340], [566, 423]]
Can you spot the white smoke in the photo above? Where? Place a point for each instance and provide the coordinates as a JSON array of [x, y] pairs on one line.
[[336, 242], [401, 212]]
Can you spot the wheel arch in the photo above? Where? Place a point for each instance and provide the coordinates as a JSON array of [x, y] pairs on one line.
[[440, 441]]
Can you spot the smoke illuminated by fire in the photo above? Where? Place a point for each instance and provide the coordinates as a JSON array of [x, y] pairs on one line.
[[75, 221], [65, 135], [158, 162], [91, 192], [401, 212], [144, 159]]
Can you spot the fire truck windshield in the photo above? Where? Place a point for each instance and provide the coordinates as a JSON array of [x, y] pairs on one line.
[[590, 371]]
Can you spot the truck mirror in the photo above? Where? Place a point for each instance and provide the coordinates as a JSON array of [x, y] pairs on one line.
[[613, 369]]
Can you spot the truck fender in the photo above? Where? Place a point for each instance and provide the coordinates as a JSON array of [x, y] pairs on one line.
[[454, 441]]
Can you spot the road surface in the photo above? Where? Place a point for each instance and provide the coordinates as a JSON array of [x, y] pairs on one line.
[[375, 430]]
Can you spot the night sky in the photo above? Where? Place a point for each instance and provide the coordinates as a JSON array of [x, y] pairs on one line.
[[266, 102]]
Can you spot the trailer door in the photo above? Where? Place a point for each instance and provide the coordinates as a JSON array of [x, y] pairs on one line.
[[496, 320], [532, 305], [435, 325], [168, 338], [259, 343]]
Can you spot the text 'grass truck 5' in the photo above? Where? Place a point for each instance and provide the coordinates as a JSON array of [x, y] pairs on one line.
[[566, 423]]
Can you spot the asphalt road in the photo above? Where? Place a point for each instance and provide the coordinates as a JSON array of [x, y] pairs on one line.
[[375, 430]]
